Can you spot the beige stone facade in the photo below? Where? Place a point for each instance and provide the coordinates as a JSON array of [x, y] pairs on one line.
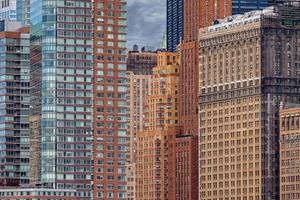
[[244, 76], [290, 153]]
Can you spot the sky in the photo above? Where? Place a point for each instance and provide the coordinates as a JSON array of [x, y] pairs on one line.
[[146, 22]]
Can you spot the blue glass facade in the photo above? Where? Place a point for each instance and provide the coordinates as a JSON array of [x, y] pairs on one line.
[[242, 6], [174, 23]]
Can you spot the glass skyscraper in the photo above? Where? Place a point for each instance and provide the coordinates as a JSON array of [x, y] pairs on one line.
[[8, 9], [23, 11], [61, 38], [78, 77], [242, 6], [174, 23]]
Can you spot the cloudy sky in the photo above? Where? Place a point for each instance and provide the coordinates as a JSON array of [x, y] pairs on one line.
[[146, 22]]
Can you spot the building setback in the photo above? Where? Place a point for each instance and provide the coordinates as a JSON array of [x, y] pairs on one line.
[[248, 65], [289, 152], [174, 24], [14, 102], [61, 60], [111, 140]]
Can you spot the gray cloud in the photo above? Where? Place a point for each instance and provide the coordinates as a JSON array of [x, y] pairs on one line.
[[146, 22]]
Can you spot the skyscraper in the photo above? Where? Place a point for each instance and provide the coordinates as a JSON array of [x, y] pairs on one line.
[[23, 11], [242, 6], [61, 60], [248, 66], [14, 103], [174, 24], [111, 140]]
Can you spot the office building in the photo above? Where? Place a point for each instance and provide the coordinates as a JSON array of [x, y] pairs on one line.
[[8, 9], [14, 101], [289, 152], [243, 78], [174, 24], [111, 140], [61, 104], [141, 62], [155, 163]]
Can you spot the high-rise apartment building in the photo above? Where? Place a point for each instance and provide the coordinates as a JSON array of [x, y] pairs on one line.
[[62, 65], [174, 24], [141, 62], [155, 145], [111, 140], [14, 101], [248, 65], [289, 152], [8, 9]]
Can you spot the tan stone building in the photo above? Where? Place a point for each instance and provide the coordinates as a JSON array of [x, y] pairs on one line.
[[155, 145], [139, 87], [290, 153], [248, 65]]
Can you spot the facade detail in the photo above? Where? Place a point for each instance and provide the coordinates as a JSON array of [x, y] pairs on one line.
[[14, 102], [244, 76], [174, 24]]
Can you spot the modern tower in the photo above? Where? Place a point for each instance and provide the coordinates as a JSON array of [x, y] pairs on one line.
[[174, 24], [23, 11], [14, 103], [62, 64], [111, 140], [242, 6], [248, 66]]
